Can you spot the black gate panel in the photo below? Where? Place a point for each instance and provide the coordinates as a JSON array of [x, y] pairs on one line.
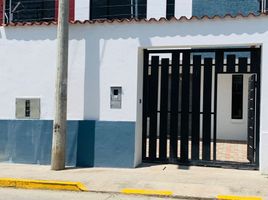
[[207, 108], [185, 106], [243, 65], [251, 118], [219, 60], [231, 63], [175, 74], [219, 68], [196, 107], [153, 96], [255, 66], [180, 102], [145, 105], [164, 109]]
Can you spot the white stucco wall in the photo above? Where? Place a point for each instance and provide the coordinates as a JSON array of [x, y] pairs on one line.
[[156, 8], [30, 70], [183, 8], [228, 128], [105, 55], [82, 9]]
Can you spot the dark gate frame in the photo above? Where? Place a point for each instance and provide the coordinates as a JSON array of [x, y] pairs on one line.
[[219, 69]]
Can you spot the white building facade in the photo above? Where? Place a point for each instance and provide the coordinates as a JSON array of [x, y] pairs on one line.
[[106, 84]]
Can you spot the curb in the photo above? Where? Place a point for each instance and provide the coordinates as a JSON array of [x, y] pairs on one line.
[[42, 184], [147, 192], [227, 197], [77, 186], [156, 195], [167, 193]]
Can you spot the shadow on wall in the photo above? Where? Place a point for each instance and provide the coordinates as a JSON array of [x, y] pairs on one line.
[[89, 143], [112, 142], [92, 77], [95, 51], [30, 141], [144, 32], [85, 144], [92, 59], [29, 33], [93, 33], [99, 34]]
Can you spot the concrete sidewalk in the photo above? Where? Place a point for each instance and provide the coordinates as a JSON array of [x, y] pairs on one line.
[[182, 181]]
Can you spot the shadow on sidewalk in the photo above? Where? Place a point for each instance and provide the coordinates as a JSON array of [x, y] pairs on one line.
[[144, 165]]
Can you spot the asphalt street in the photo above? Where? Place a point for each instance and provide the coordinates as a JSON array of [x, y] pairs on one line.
[[19, 194]]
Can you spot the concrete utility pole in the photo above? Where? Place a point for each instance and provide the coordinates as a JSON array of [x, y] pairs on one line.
[[59, 126]]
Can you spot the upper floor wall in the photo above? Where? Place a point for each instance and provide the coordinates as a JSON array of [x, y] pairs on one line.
[[47, 10], [111, 9], [223, 7]]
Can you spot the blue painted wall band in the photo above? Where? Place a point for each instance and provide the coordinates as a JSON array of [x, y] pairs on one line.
[[89, 143]]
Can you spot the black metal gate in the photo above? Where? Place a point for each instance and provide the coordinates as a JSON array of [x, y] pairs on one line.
[[251, 118], [180, 101]]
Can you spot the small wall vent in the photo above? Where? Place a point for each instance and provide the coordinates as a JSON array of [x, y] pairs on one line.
[[27, 108]]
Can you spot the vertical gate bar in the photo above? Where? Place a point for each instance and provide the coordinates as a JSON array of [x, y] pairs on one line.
[[153, 106], [164, 109], [175, 76], [231, 63], [185, 97], [215, 116], [256, 68], [196, 107], [219, 59], [243, 65], [145, 102], [207, 94], [255, 60]]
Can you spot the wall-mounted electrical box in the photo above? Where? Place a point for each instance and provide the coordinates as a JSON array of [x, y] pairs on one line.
[[27, 108], [116, 98]]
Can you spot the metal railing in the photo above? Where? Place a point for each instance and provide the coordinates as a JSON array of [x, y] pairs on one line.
[[119, 11], [31, 10]]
